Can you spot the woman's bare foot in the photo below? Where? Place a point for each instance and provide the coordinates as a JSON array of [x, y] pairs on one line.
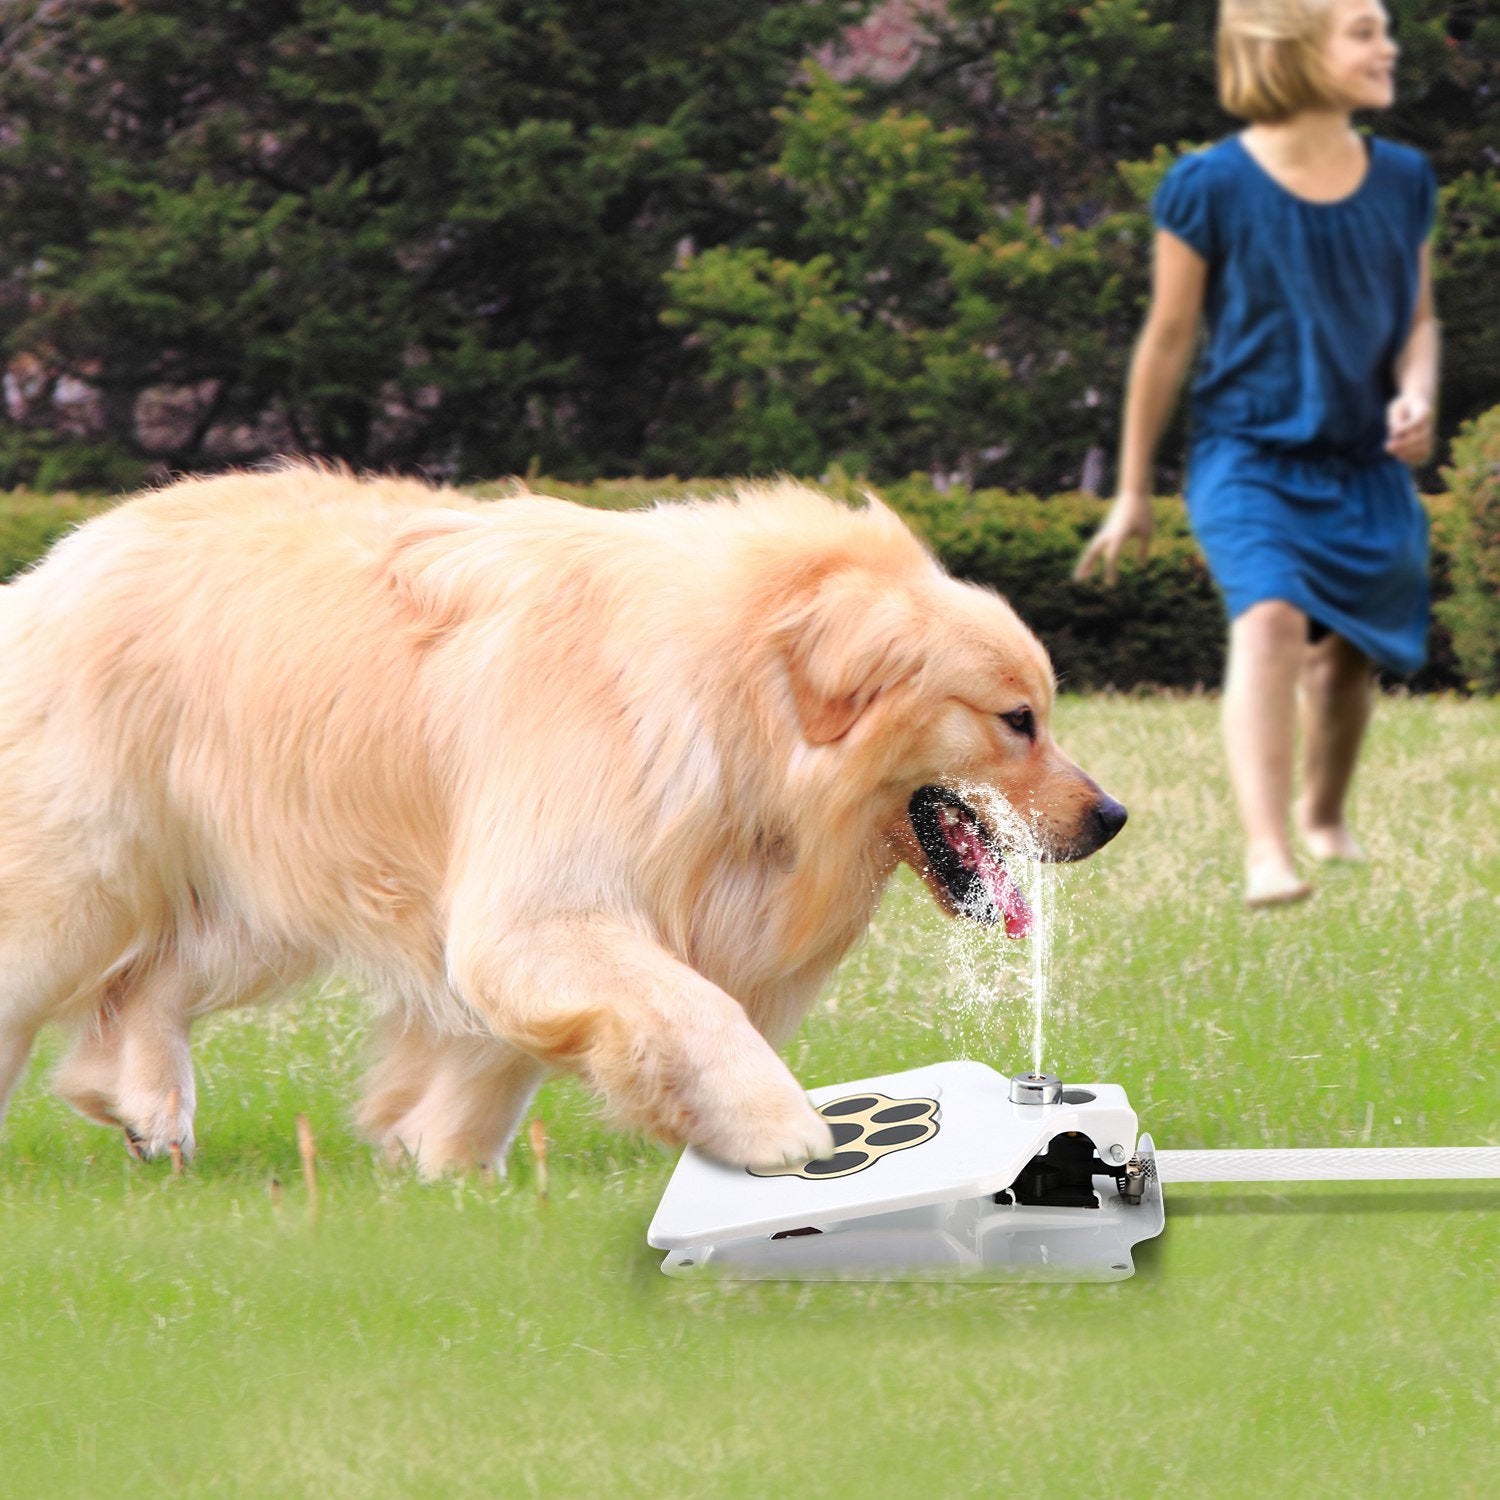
[[1272, 880], [1330, 842]]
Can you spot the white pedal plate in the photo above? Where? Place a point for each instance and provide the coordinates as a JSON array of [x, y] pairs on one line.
[[909, 1192]]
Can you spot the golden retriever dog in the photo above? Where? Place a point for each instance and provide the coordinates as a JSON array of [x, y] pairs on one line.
[[561, 788]]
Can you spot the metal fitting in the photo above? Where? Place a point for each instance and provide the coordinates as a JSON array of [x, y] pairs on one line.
[[1035, 1088], [1133, 1182]]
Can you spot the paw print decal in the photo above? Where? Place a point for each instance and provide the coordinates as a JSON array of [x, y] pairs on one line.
[[865, 1128]]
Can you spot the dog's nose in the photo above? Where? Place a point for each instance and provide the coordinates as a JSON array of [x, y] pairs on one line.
[[1108, 818]]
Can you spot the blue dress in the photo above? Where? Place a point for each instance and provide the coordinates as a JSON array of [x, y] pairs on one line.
[[1290, 492]]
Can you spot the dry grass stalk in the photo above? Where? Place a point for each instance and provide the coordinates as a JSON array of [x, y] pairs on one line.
[[539, 1154], [307, 1150]]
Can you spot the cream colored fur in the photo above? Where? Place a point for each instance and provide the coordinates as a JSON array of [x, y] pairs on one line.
[[560, 787]]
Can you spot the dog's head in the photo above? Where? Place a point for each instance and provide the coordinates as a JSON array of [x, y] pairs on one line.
[[932, 702]]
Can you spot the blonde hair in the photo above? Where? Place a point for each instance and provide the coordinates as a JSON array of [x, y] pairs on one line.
[[1271, 58]]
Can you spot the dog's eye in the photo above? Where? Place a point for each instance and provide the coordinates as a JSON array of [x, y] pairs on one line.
[[1021, 720]]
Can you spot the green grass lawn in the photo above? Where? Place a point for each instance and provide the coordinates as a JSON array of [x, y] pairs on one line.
[[190, 1337]]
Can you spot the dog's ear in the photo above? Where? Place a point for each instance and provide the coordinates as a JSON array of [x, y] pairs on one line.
[[851, 641]]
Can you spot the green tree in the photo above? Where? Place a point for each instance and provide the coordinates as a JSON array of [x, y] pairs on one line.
[[826, 355], [924, 326], [412, 232], [484, 235]]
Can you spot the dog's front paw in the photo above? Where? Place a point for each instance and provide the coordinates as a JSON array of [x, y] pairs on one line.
[[768, 1134]]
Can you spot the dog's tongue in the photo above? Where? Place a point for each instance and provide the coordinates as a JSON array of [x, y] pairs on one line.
[[965, 840]]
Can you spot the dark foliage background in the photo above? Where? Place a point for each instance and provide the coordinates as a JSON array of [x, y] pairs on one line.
[[708, 237]]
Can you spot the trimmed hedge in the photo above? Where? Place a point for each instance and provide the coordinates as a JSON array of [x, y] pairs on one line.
[[1160, 626], [1472, 612]]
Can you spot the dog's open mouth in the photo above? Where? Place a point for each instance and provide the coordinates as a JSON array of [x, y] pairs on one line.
[[965, 860]]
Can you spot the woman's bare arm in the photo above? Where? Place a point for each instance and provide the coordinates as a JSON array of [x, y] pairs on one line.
[[1161, 356], [1411, 417]]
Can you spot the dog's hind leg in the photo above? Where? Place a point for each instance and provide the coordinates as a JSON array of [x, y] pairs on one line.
[[132, 1065], [53, 965], [88, 1075], [158, 1093], [449, 1102]]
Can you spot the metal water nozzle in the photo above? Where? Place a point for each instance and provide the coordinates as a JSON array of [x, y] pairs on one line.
[[1035, 1088]]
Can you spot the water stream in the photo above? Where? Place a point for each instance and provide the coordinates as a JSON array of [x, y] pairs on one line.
[[1003, 985]]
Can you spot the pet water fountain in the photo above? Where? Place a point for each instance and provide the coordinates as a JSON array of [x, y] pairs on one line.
[[954, 1171]]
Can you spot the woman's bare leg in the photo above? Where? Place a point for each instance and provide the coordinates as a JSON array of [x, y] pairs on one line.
[[1267, 646], [1336, 703]]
